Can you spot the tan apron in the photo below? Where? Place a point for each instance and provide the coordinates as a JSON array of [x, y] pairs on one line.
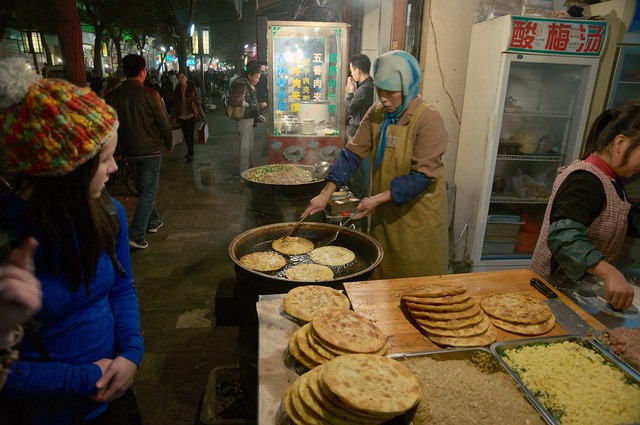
[[414, 236]]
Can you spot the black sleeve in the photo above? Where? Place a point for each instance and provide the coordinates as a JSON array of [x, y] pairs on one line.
[[580, 198]]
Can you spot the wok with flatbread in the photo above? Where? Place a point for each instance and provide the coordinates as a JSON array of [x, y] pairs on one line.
[[367, 251]]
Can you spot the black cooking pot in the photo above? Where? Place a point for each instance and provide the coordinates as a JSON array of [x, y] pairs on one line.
[[368, 255], [277, 203]]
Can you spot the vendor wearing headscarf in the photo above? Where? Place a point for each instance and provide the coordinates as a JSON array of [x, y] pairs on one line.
[[406, 139]]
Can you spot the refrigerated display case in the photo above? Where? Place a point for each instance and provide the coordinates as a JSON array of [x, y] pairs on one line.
[[527, 95], [625, 84], [308, 68]]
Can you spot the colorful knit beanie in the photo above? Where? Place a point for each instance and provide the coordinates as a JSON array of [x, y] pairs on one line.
[[49, 127]]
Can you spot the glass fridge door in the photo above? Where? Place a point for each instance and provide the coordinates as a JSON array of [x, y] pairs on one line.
[[625, 85], [307, 80], [540, 129]]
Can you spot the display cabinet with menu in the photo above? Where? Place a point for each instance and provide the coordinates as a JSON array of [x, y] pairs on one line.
[[308, 68], [527, 95]]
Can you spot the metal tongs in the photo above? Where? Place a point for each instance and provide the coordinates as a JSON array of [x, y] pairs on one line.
[[295, 227], [332, 238]]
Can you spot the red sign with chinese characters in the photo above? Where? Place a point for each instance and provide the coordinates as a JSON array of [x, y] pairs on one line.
[[557, 36]]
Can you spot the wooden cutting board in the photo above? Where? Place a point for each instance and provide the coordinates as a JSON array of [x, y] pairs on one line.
[[379, 300]]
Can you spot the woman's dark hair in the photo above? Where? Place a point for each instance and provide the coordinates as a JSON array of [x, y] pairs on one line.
[[253, 67], [72, 228], [608, 125]]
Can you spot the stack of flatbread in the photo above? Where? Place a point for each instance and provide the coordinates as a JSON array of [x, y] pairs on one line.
[[335, 332], [520, 314], [303, 302], [449, 316], [353, 389]]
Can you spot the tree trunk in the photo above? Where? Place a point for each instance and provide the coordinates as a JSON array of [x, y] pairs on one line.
[[70, 34], [97, 49]]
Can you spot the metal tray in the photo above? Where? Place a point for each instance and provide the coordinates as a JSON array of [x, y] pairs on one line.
[[598, 337], [497, 348], [468, 354]]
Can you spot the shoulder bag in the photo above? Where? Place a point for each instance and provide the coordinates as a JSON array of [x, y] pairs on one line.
[[236, 113]]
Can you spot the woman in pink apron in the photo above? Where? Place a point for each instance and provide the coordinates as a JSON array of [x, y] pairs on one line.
[[405, 138], [589, 215]]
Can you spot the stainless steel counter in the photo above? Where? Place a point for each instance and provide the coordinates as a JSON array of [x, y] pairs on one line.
[[588, 293]]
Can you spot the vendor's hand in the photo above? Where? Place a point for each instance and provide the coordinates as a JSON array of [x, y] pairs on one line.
[[369, 204], [263, 105], [117, 379], [20, 292], [317, 204], [617, 291]]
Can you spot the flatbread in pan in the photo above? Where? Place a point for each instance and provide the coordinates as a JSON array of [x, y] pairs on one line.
[[292, 245], [263, 261]]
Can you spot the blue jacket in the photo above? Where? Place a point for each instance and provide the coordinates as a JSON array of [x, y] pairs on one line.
[[78, 328]]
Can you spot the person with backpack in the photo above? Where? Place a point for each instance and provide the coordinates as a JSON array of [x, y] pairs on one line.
[[243, 94], [82, 350]]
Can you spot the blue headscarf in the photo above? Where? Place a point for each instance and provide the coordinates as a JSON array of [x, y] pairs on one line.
[[396, 70]]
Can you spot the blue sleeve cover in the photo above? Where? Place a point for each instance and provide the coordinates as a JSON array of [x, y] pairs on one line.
[[405, 188], [343, 168], [571, 248]]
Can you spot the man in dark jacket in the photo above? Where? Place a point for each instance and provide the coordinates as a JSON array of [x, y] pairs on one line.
[[359, 91], [144, 129], [358, 100]]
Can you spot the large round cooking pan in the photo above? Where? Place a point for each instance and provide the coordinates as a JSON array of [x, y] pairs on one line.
[[313, 186], [368, 255]]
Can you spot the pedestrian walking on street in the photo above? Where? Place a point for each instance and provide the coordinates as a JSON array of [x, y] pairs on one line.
[[144, 128], [186, 110]]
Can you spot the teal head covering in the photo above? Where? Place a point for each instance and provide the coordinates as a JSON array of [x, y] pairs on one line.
[[396, 70]]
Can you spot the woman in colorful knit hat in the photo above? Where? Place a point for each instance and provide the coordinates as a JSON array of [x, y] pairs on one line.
[[589, 215], [87, 345], [405, 139]]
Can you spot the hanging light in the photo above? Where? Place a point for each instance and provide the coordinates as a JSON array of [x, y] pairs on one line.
[[205, 41], [194, 44], [35, 40]]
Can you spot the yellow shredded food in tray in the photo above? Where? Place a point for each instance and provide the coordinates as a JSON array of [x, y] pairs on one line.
[[576, 384]]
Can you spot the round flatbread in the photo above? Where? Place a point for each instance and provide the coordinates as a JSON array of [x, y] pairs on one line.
[[445, 315], [373, 385], [309, 273], [486, 338], [263, 261], [535, 329], [334, 351], [308, 416], [332, 255], [449, 299], [292, 245], [516, 308], [300, 356], [347, 330], [467, 331], [429, 291], [303, 302], [451, 323], [465, 305], [302, 340], [333, 412]]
